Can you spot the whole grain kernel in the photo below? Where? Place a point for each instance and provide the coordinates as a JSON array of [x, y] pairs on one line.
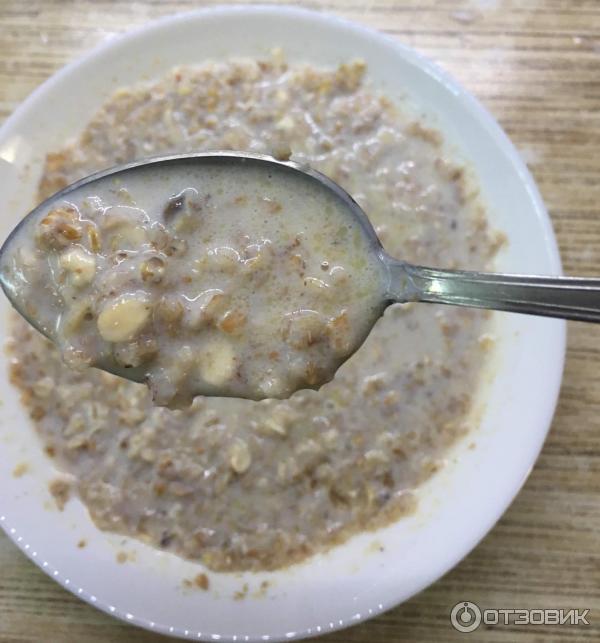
[[240, 457], [80, 264], [153, 270], [233, 322], [123, 319], [217, 362]]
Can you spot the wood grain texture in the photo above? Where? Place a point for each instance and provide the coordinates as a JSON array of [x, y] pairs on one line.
[[536, 65]]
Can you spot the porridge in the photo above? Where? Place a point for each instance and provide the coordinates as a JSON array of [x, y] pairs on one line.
[[239, 484], [238, 279]]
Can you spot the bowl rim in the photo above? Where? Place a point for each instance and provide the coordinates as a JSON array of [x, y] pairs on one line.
[[543, 220]]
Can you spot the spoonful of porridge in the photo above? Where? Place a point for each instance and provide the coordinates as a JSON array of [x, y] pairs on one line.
[[229, 275]]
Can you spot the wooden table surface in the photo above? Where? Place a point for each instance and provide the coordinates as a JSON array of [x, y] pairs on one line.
[[536, 65]]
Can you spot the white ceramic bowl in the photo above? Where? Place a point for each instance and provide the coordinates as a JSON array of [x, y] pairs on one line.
[[372, 572]]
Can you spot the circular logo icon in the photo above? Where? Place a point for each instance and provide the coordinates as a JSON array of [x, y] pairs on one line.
[[465, 616]]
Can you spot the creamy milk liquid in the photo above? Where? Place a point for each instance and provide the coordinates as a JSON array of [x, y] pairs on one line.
[[213, 279]]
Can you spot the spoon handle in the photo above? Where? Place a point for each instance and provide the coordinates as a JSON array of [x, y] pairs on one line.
[[565, 297]]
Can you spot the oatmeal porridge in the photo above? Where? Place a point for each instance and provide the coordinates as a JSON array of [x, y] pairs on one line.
[[215, 277], [239, 484]]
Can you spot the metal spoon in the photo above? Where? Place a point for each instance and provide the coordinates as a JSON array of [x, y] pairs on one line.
[[564, 297]]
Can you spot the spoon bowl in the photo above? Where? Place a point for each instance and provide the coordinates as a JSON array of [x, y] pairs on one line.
[[395, 280], [187, 173]]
